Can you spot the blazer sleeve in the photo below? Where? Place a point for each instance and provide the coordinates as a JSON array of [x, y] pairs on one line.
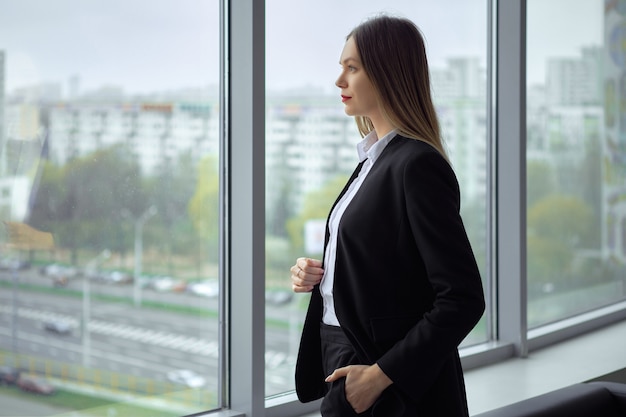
[[432, 206]]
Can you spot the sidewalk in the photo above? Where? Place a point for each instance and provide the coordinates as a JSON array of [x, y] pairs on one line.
[[18, 406], [14, 407]]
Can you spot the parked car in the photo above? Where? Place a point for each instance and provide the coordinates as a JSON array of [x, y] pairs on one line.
[[57, 326], [8, 375], [34, 384], [13, 264], [208, 288], [116, 277], [187, 378], [59, 273], [166, 283]]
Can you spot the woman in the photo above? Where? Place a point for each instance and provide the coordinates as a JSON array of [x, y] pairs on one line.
[[398, 288]]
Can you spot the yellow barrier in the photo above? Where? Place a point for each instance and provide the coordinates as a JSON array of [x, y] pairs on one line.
[[109, 381]]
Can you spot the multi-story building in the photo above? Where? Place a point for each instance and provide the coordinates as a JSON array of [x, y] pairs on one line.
[[460, 99], [155, 133], [14, 158], [14, 193], [309, 139], [566, 130], [22, 121], [2, 119], [575, 81]]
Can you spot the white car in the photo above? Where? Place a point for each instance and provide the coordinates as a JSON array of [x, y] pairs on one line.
[[57, 326], [186, 377], [209, 288]]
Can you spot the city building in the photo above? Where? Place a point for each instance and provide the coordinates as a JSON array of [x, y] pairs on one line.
[[155, 133], [2, 117], [541, 169]]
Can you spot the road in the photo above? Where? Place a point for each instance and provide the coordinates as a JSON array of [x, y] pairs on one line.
[[16, 407], [138, 341]]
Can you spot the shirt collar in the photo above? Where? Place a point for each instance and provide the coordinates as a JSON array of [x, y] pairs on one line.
[[371, 147]]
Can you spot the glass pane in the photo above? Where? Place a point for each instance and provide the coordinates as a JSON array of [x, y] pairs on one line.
[[108, 180], [311, 143], [576, 150]]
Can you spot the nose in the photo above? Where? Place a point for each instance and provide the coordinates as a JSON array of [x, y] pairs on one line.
[[340, 82]]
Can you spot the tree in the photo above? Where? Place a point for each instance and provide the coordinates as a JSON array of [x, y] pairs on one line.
[[317, 205], [540, 181], [84, 203], [560, 217], [171, 190], [203, 208], [557, 226], [48, 197]]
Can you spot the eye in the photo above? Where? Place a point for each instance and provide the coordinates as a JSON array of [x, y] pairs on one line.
[[351, 68]]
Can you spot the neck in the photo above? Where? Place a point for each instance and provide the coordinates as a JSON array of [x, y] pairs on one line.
[[382, 127]]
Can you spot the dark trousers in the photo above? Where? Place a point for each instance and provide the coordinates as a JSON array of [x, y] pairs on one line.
[[337, 352]]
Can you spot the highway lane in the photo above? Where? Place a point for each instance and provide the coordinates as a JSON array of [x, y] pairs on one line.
[[136, 341], [122, 339]]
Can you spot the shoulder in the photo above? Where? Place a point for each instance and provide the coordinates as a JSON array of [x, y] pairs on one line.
[[411, 147], [407, 151], [421, 166]]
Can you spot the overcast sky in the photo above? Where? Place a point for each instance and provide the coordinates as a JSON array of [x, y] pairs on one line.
[[149, 45]]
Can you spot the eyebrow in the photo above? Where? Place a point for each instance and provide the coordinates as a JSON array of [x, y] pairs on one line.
[[348, 59]]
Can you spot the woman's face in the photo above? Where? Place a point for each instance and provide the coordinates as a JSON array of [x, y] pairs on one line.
[[357, 91]]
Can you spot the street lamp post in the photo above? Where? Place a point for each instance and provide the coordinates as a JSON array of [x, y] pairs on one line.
[[91, 266], [151, 211], [84, 324], [14, 324]]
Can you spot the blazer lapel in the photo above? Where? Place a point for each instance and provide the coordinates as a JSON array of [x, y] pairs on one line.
[[354, 175]]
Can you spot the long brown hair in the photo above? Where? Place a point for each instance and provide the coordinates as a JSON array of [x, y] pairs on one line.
[[393, 55]]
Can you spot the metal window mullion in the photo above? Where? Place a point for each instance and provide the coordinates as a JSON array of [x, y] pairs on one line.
[[245, 228], [510, 148], [490, 284], [223, 392]]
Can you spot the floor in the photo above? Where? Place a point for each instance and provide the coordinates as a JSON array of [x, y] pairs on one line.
[[576, 360]]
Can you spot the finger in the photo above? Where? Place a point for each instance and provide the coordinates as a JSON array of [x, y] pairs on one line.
[[299, 282], [309, 263], [301, 277], [301, 262], [316, 263], [311, 268], [338, 373], [295, 269], [301, 288]]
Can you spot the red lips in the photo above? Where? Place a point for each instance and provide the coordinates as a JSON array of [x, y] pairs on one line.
[[345, 98]]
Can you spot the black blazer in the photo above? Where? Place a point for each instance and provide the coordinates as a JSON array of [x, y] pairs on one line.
[[407, 288]]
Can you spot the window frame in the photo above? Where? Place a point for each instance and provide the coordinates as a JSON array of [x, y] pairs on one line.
[[242, 235], [242, 201]]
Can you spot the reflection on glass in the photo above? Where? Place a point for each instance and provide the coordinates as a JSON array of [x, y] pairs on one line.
[[311, 143], [108, 197], [576, 150]]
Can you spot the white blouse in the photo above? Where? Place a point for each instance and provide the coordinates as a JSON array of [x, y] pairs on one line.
[[369, 149]]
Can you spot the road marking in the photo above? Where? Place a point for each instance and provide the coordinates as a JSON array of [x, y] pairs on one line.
[[39, 340], [195, 345]]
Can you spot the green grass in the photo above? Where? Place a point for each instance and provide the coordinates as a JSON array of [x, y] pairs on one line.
[[174, 308], [90, 405], [184, 309]]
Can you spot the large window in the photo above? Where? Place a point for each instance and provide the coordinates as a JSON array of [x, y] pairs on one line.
[[576, 154], [311, 142], [109, 201], [118, 227]]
